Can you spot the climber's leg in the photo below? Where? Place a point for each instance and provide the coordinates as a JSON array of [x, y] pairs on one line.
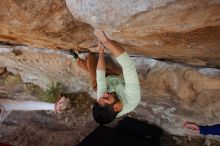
[[91, 62], [82, 64], [90, 65]]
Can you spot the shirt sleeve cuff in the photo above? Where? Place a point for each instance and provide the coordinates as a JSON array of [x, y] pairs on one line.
[[123, 58], [100, 74]]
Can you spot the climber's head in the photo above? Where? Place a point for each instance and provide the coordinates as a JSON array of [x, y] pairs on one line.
[[106, 108]]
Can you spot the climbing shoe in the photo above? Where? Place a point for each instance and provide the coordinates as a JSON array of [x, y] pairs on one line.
[[74, 54]]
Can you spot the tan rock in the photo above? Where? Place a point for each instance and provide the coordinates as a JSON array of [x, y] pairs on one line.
[[42, 24], [185, 31]]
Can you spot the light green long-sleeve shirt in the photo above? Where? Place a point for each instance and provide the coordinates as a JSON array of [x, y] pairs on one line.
[[128, 90]]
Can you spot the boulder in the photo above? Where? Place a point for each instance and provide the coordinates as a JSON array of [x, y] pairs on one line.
[[184, 31], [171, 93], [42, 24]]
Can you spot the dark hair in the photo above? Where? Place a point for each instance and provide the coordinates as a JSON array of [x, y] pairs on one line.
[[103, 114]]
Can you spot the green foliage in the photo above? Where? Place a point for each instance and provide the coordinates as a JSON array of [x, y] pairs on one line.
[[52, 94]]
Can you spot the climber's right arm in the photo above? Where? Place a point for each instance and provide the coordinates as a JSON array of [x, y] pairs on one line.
[[100, 73]]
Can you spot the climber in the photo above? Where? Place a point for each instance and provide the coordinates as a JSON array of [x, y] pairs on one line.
[[204, 130], [115, 96]]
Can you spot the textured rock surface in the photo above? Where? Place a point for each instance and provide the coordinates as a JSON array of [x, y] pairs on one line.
[[37, 128], [43, 66], [40, 128], [26, 128], [171, 93], [186, 31], [42, 24], [182, 30]]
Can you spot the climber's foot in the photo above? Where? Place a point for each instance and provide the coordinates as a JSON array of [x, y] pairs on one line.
[[74, 54]]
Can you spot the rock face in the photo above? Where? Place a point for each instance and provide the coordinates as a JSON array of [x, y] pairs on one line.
[[43, 66], [185, 31], [171, 93], [38, 128], [42, 24], [2, 70]]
